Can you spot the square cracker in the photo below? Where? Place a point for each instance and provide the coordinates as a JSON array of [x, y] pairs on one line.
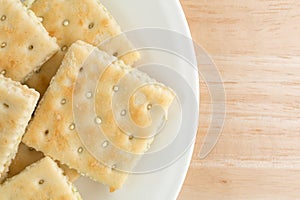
[[27, 156], [41, 180], [24, 43], [17, 103], [58, 129], [72, 20]]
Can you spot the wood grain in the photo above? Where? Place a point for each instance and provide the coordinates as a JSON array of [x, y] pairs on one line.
[[256, 46]]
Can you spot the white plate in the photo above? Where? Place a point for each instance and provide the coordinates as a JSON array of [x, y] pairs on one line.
[[164, 184]]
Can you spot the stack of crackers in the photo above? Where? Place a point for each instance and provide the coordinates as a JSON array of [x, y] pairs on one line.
[[43, 47]]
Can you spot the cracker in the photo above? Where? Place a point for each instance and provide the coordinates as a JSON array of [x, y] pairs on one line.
[[42, 180], [73, 20], [24, 43], [66, 145], [27, 156], [17, 103]]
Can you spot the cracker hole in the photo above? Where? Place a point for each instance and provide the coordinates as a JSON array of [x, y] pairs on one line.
[[66, 22], [115, 88], [3, 17], [3, 45], [41, 182], [46, 132], [123, 113], [116, 54], [80, 150], [105, 144], [91, 25], [98, 120], [63, 101], [30, 47], [130, 137], [72, 126], [6, 105], [64, 48], [149, 106], [81, 69], [89, 95], [114, 166]]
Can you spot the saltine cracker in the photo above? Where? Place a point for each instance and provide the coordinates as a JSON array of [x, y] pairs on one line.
[[17, 103], [41, 180], [72, 20], [24, 43], [58, 128]]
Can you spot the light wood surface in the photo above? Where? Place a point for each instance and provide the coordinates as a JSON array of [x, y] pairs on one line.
[[256, 46]]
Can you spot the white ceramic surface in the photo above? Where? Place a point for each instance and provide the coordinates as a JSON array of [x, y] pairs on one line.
[[164, 184]]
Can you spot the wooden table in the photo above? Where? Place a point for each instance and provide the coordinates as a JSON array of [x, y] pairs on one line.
[[256, 46]]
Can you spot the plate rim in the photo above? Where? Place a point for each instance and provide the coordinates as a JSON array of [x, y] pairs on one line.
[[190, 151]]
